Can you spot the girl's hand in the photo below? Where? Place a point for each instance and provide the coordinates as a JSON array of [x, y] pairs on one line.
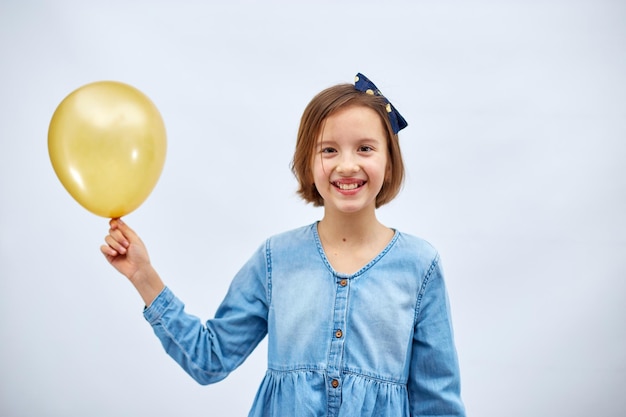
[[127, 253], [124, 249]]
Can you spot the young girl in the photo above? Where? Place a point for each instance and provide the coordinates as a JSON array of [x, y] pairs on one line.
[[356, 313]]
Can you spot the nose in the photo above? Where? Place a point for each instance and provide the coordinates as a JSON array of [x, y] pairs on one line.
[[347, 165]]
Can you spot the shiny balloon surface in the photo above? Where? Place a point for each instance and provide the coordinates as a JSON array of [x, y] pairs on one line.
[[107, 144]]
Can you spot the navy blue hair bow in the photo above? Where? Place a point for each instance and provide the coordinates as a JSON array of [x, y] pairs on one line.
[[362, 83]]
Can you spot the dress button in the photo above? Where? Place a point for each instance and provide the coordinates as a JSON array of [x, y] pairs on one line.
[[338, 334], [334, 383], [343, 282]]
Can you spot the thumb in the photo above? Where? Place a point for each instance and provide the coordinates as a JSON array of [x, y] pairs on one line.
[[119, 224], [129, 234]]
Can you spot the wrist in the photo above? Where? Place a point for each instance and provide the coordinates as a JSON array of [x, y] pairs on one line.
[[148, 283]]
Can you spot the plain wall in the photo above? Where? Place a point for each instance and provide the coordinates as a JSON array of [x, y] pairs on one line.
[[515, 156]]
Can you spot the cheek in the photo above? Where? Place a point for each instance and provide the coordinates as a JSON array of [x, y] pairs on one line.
[[315, 173], [388, 170], [318, 169]]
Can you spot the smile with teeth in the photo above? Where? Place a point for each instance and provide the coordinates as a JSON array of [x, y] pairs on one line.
[[348, 185]]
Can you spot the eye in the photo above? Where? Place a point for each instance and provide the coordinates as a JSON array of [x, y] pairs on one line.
[[365, 148], [328, 149]]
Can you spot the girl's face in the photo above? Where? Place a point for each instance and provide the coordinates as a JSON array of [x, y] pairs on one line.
[[351, 160]]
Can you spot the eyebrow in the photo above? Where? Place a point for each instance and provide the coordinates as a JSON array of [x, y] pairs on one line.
[[362, 140]]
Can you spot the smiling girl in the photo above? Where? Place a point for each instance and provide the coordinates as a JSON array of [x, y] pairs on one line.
[[356, 313]]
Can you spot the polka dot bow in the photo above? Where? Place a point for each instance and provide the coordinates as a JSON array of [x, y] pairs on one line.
[[362, 83]]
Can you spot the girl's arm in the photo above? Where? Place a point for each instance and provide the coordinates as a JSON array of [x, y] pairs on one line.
[[207, 351], [127, 253], [434, 379]]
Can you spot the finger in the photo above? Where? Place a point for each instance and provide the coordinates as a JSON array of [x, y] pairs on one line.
[[114, 223], [119, 224], [117, 235], [114, 244], [108, 251]]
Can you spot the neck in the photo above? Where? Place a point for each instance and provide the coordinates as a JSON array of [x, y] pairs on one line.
[[350, 227], [351, 241]]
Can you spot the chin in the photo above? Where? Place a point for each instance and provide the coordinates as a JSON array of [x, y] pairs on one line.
[[352, 208]]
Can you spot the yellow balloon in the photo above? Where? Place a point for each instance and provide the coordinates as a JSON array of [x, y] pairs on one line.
[[107, 145]]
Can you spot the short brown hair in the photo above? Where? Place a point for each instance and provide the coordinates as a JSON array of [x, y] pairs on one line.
[[323, 105]]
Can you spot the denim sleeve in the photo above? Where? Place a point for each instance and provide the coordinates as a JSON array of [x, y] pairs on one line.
[[434, 379], [210, 351]]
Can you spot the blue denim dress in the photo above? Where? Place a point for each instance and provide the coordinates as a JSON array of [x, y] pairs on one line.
[[378, 342]]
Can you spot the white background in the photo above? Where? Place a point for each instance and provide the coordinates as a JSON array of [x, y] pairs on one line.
[[515, 154]]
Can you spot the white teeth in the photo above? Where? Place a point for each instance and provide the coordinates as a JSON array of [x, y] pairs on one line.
[[351, 186]]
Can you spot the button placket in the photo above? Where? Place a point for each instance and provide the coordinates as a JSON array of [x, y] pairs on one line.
[[335, 356]]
